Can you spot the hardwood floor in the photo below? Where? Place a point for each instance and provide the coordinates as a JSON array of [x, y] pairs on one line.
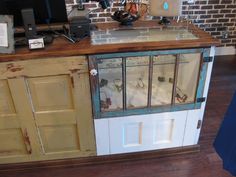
[[203, 164]]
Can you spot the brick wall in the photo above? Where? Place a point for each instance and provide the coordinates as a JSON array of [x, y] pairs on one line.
[[218, 17]]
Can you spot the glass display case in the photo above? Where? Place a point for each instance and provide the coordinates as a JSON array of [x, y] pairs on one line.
[[147, 82], [141, 34]]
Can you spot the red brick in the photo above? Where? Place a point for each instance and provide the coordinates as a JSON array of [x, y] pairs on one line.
[[184, 8], [225, 11], [91, 5], [212, 11], [219, 6], [104, 15], [213, 2], [228, 45], [223, 20], [233, 20], [228, 24], [226, 2], [221, 28], [185, 12], [207, 7], [211, 20], [92, 15], [215, 33], [210, 29], [230, 15], [231, 6], [218, 16], [200, 12], [194, 7], [225, 40], [201, 2], [217, 25], [205, 16]]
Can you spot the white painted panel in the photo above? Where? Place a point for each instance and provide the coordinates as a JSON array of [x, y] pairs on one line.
[[132, 134], [191, 130], [170, 127], [163, 131], [128, 134], [146, 132], [102, 136], [205, 93]]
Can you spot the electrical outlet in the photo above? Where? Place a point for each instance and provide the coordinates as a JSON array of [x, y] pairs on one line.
[[191, 1]]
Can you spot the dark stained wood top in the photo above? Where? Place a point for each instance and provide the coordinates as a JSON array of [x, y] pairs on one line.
[[62, 47]]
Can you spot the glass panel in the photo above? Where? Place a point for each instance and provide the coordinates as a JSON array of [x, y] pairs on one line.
[[141, 34], [187, 80], [137, 71], [162, 79], [110, 83]]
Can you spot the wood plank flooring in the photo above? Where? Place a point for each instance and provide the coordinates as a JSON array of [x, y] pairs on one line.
[[203, 164]]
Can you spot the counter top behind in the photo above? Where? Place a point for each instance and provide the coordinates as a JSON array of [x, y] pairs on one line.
[[63, 48]]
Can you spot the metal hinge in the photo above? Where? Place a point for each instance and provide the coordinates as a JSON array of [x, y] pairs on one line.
[[201, 100], [208, 59], [199, 124]]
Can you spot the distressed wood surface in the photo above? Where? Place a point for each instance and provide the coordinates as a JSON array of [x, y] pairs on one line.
[[62, 47], [42, 103]]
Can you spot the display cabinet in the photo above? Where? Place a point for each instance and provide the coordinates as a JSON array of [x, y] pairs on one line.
[[147, 82], [148, 100]]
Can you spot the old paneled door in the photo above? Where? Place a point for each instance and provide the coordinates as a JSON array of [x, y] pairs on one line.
[[62, 110], [45, 110]]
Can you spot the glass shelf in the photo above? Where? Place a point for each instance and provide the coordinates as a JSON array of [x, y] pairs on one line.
[[133, 35]]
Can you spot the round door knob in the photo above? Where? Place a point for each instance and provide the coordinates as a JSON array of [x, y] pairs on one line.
[[93, 72]]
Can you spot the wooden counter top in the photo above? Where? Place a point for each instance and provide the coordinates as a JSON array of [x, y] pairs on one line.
[[62, 47]]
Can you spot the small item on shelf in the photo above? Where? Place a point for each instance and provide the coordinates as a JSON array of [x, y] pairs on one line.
[[161, 79], [181, 97], [106, 103], [103, 83], [118, 84], [130, 106], [140, 83], [124, 17], [133, 9]]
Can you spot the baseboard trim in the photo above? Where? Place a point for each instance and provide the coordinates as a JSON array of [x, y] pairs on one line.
[[99, 159]]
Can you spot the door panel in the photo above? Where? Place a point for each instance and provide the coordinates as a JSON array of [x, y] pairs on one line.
[[53, 105], [11, 134], [52, 137], [60, 125], [6, 103], [51, 93], [12, 142]]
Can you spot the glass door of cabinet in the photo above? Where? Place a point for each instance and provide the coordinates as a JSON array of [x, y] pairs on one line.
[[147, 82], [110, 84]]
